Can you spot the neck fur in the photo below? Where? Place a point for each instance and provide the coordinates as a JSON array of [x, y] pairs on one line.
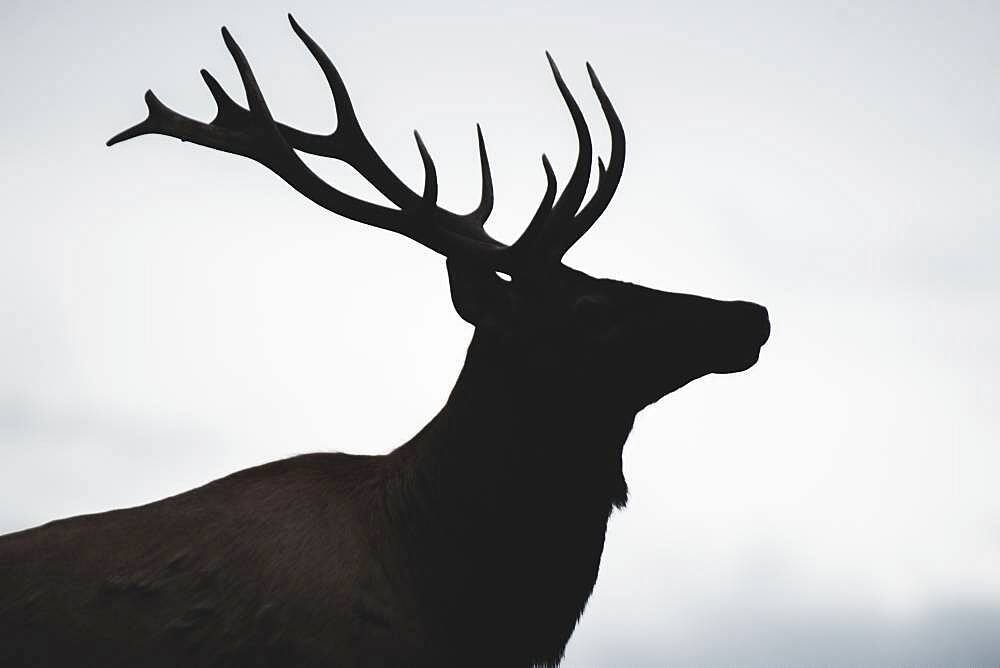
[[502, 503], [515, 429]]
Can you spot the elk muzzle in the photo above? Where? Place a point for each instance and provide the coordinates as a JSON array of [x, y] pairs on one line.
[[745, 328]]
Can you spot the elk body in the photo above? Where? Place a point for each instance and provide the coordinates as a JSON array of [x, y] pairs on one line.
[[477, 542]]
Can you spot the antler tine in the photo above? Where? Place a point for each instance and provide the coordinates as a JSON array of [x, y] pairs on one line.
[[163, 120], [568, 203], [430, 172], [255, 98], [155, 117], [228, 112], [485, 207], [526, 243], [607, 180], [349, 143], [346, 117]]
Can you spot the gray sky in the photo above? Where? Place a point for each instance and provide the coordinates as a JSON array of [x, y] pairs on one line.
[[169, 314]]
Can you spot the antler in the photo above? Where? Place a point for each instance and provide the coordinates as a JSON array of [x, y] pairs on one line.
[[253, 133], [555, 229]]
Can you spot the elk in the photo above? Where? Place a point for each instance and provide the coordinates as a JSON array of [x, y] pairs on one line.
[[478, 541]]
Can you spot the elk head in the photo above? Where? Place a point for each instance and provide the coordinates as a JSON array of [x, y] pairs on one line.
[[617, 341]]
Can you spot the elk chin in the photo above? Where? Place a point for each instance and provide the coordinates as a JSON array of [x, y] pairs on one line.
[[744, 356], [675, 379], [737, 365]]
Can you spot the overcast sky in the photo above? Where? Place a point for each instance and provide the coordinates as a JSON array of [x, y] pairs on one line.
[[169, 314]]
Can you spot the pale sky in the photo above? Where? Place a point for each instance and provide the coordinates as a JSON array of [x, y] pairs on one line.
[[169, 314]]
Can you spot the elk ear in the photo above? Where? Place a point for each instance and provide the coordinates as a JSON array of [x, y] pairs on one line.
[[480, 296]]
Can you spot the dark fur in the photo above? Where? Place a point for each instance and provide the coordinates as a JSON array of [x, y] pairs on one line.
[[477, 542]]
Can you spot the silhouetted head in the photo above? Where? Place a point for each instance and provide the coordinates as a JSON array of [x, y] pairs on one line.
[[604, 337]]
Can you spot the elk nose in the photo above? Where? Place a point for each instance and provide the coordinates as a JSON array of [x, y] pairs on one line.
[[754, 318]]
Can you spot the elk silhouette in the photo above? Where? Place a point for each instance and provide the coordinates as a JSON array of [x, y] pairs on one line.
[[478, 541]]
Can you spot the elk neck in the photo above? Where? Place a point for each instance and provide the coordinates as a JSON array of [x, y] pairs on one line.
[[500, 504], [516, 436]]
